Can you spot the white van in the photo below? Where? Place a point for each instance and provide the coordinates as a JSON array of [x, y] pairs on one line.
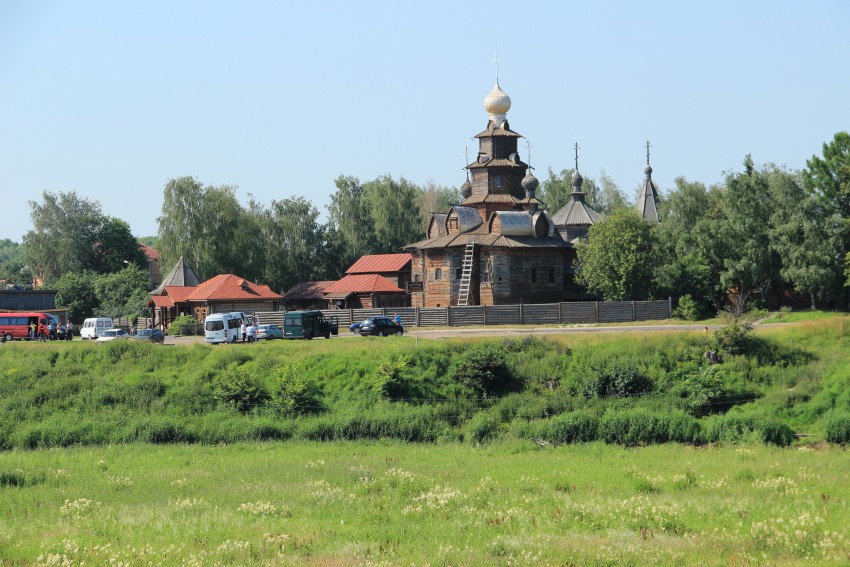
[[94, 327], [222, 328]]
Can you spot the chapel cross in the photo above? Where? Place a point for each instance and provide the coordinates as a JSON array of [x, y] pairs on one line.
[[648, 145], [496, 59], [576, 156]]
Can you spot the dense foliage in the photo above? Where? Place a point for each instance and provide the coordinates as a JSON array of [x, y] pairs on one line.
[[659, 389]]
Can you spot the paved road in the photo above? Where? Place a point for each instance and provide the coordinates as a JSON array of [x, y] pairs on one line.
[[471, 332]]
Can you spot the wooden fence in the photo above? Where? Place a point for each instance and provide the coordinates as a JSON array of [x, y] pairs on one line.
[[564, 313]]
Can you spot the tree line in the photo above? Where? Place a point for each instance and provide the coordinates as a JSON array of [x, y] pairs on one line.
[[763, 229]]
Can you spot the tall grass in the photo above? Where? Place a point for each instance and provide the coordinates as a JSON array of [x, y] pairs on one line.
[[624, 389]]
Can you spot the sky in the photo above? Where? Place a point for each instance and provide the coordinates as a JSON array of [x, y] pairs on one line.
[[113, 99]]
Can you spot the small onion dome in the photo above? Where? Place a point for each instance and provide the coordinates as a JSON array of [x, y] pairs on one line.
[[497, 102], [647, 170], [577, 179], [466, 189], [529, 183]]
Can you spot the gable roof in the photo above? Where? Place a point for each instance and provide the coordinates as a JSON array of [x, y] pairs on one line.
[[361, 283], [376, 263], [181, 275], [149, 252], [179, 294], [231, 287], [308, 290]]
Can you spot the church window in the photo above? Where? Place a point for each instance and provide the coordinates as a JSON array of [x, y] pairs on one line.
[[416, 277], [453, 223], [497, 181], [533, 275], [438, 274]]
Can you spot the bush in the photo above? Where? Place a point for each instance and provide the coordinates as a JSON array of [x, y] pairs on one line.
[[836, 427], [185, 325], [617, 379], [634, 427], [688, 309], [239, 390], [484, 368], [573, 427], [293, 396], [483, 427]]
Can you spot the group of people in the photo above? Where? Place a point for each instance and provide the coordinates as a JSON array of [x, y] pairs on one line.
[[249, 332], [51, 332]]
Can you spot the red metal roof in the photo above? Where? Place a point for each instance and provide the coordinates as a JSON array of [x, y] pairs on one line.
[[380, 263], [308, 290], [180, 294], [162, 301], [230, 287], [149, 252], [363, 283]]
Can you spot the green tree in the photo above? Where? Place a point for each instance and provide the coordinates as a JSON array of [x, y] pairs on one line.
[[829, 179], [71, 234], [806, 235], [123, 293], [690, 249], [205, 225], [294, 243], [394, 209], [617, 259], [13, 263], [75, 292], [555, 190], [750, 264], [352, 233], [609, 197]]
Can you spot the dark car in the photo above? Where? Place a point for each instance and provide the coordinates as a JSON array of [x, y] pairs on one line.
[[355, 327], [381, 326], [152, 335]]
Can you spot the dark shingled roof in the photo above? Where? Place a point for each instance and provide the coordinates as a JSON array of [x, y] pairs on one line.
[[308, 290], [179, 276]]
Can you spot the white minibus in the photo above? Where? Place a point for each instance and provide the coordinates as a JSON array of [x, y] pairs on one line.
[[93, 327], [222, 328]]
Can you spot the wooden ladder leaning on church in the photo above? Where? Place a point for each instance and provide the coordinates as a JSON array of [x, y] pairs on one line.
[[466, 274]]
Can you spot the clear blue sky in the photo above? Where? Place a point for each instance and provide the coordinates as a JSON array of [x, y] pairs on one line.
[[112, 99]]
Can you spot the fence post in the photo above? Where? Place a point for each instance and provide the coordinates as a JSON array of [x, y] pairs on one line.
[[484, 311], [669, 307], [560, 320], [521, 317], [596, 304], [416, 314], [448, 315], [634, 317]]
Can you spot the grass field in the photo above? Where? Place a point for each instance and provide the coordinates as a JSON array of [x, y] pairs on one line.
[[378, 503], [134, 454]]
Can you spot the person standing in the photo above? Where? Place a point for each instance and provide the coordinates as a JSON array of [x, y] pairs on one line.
[[244, 330], [51, 330], [33, 330], [69, 331], [252, 332]]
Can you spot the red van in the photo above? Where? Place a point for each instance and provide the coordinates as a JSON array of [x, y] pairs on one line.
[[16, 325]]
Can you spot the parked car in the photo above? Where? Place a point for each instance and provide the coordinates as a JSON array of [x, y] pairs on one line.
[[150, 335], [269, 332], [381, 326], [355, 327], [111, 335]]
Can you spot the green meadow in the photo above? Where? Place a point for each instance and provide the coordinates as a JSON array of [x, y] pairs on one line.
[[394, 503], [603, 449]]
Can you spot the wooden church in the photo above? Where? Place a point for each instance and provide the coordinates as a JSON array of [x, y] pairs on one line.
[[499, 246]]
